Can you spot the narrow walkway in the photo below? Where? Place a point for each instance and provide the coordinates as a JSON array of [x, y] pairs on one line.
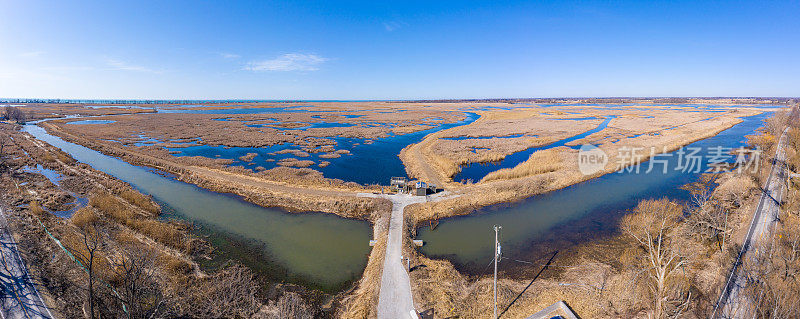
[[395, 299], [20, 299], [733, 303]]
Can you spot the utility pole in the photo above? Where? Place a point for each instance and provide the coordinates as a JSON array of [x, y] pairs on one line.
[[496, 255]]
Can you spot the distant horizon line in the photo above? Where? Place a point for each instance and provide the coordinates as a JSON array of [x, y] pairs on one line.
[[175, 101]]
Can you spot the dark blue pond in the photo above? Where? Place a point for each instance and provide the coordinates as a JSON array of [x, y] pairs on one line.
[[477, 171], [369, 161]]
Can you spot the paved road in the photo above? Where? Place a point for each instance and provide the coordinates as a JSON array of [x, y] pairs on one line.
[[20, 299], [732, 302], [395, 300]]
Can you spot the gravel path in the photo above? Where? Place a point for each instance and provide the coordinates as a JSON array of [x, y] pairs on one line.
[[395, 300]]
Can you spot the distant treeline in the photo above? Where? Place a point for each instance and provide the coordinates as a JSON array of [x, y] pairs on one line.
[[760, 100], [73, 101], [764, 100]]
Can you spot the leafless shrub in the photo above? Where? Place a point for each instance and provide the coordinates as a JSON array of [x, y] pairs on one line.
[[14, 114], [289, 305], [230, 293], [137, 284], [3, 142]]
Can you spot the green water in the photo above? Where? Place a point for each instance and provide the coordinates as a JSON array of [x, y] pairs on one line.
[[317, 250]]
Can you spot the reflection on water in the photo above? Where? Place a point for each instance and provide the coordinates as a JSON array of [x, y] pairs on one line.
[[318, 250], [562, 218]]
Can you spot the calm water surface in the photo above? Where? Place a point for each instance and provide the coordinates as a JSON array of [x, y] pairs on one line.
[[372, 162], [318, 250], [544, 223], [477, 171]]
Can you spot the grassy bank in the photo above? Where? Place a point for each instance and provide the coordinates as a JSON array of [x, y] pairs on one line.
[[666, 259], [296, 190]]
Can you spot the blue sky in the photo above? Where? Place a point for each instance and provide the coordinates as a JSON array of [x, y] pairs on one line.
[[406, 50]]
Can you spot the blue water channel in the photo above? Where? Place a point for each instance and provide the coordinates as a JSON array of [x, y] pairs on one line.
[[369, 161], [477, 171], [538, 226], [317, 250]]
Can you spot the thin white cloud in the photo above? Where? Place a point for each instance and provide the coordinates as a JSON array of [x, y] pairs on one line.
[[288, 62], [63, 68], [393, 25], [31, 54], [230, 55], [115, 64]]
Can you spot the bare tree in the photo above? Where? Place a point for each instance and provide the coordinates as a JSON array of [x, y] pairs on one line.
[[651, 226], [702, 190], [3, 141], [14, 113], [137, 284], [86, 252], [709, 215], [772, 283]]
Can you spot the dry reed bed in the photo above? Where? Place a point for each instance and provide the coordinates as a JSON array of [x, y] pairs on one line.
[[436, 159], [231, 129], [601, 279], [128, 221], [598, 279], [35, 111], [546, 171], [299, 190]]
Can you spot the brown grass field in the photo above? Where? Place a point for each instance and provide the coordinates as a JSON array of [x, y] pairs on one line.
[[556, 168], [601, 273]]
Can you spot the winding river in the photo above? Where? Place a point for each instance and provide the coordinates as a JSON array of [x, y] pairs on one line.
[[542, 224]]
